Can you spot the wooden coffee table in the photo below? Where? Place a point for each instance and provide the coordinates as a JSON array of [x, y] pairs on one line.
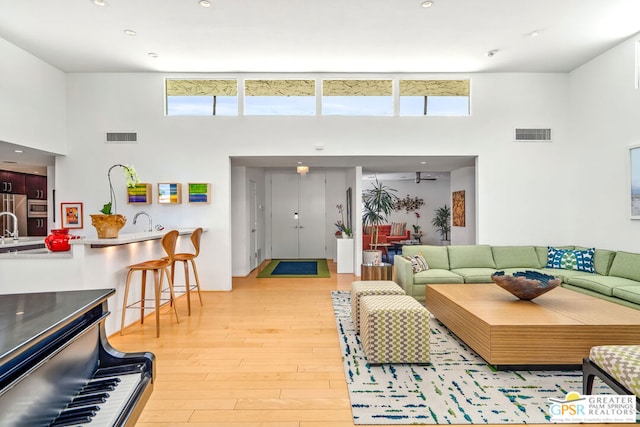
[[557, 328]]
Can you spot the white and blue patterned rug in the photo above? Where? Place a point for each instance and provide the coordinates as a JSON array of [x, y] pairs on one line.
[[458, 387]]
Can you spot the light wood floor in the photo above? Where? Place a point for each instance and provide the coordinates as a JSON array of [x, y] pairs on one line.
[[263, 355]]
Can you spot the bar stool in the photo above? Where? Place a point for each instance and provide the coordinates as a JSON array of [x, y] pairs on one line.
[[158, 266], [185, 258]]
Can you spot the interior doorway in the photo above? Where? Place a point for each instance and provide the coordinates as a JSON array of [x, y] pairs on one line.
[[298, 216]]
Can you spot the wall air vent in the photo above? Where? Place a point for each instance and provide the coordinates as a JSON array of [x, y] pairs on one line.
[[121, 138], [533, 135]]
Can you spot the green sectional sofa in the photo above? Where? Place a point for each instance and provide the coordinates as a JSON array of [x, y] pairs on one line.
[[615, 276]]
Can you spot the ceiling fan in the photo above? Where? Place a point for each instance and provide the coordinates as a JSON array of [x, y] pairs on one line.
[[427, 177]]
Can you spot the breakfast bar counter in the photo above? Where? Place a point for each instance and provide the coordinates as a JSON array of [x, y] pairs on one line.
[[91, 263]]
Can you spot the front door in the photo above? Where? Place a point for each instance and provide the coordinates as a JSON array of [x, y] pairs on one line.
[[298, 216]]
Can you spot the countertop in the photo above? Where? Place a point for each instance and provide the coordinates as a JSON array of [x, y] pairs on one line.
[[41, 252], [126, 238]]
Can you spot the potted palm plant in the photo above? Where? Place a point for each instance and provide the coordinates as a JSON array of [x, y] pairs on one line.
[[442, 223], [378, 202]]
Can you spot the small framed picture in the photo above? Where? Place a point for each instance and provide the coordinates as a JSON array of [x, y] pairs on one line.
[[139, 194], [199, 192], [169, 193], [71, 215]]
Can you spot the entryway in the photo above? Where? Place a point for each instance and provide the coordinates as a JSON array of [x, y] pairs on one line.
[[298, 216]]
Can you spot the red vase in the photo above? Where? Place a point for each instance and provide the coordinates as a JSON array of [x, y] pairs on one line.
[[58, 240]]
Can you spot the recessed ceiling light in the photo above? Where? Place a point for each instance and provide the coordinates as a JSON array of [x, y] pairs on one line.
[[423, 162], [130, 32], [153, 54], [99, 2], [18, 151], [205, 3], [427, 3]]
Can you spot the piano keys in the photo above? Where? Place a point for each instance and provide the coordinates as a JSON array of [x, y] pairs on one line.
[[57, 367]]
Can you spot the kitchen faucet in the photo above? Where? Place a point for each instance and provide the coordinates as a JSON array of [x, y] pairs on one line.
[[15, 225], [148, 217]]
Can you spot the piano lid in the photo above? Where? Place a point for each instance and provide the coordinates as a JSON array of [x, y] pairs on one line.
[[27, 319]]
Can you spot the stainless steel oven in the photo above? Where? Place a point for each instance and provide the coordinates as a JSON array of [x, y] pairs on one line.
[[36, 208]]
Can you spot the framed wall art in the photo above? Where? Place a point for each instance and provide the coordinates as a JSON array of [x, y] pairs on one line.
[[458, 217], [71, 215], [169, 193], [139, 193], [199, 192]]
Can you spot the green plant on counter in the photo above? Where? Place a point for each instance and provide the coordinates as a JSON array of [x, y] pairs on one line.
[[132, 180]]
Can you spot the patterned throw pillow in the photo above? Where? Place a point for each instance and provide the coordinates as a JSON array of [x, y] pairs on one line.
[[418, 263], [397, 228], [571, 259]]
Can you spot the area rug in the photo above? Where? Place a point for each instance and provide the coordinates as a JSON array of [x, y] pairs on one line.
[[300, 268], [458, 387]]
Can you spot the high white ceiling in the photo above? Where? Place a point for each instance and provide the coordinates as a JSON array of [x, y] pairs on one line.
[[329, 36], [356, 36]]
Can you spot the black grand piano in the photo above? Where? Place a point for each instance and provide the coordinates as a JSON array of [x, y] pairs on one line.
[[57, 367]]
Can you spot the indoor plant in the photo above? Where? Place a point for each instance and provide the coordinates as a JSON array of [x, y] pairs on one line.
[[442, 222], [342, 226], [378, 202], [108, 223]]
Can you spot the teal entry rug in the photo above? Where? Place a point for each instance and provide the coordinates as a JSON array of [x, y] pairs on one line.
[[458, 387], [298, 268]]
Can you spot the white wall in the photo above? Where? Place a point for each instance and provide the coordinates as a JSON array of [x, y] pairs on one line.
[[32, 104], [605, 112], [184, 149]]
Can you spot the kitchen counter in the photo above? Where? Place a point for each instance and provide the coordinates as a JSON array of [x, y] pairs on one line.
[[126, 238], [91, 263], [33, 246]]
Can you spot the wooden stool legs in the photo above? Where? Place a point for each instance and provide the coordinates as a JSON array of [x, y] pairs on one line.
[[157, 283], [186, 279]]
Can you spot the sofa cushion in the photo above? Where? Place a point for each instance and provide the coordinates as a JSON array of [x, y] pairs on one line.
[[397, 228], [436, 256], [384, 229], [470, 256], [601, 284], [602, 260], [565, 275], [475, 275], [627, 265], [571, 259], [418, 263], [437, 275], [628, 293], [515, 256]]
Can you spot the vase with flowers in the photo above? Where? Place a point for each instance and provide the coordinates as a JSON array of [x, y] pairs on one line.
[[342, 226], [108, 223]]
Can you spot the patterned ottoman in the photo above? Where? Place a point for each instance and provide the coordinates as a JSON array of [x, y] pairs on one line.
[[617, 365], [370, 287], [395, 329]]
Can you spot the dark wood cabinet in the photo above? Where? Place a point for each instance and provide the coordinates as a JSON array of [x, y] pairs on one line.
[[37, 226], [12, 182], [36, 186]]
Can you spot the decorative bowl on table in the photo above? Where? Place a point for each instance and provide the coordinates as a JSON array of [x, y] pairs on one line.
[[526, 285]]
